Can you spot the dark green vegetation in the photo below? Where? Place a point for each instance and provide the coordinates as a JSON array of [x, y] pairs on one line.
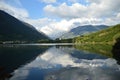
[[11, 29], [107, 36], [116, 50], [55, 41], [63, 40]]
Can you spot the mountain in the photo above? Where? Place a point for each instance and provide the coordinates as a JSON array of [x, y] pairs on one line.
[[109, 35], [14, 29], [81, 30]]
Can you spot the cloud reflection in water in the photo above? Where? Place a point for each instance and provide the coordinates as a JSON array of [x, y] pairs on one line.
[[56, 64]]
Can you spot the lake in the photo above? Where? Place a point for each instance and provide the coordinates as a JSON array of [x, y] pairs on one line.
[[58, 62]]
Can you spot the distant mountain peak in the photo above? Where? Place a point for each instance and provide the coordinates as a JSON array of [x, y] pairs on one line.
[[81, 30]]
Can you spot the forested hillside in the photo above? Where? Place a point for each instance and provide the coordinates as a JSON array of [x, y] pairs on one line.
[[104, 36]]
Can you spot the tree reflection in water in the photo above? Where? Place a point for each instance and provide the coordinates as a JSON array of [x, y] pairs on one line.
[[116, 51]]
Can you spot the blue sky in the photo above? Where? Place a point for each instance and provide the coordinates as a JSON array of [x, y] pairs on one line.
[[56, 17], [35, 7]]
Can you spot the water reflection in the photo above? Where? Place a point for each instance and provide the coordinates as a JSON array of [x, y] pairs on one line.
[[116, 51], [103, 49], [14, 56], [91, 73], [67, 63]]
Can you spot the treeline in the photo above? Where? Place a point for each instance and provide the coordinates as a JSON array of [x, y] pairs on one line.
[[55, 41], [38, 41]]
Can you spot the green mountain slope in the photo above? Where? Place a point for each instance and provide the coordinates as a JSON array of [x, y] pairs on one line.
[[104, 36], [12, 29]]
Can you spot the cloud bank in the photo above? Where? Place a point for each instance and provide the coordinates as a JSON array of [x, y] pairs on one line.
[[94, 9]]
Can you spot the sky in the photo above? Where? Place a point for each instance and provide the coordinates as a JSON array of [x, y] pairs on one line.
[[55, 17]]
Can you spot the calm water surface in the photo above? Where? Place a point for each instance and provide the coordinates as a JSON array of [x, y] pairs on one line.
[[42, 62]]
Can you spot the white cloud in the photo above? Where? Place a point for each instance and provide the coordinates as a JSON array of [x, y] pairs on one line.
[[113, 20], [48, 1], [55, 29], [38, 23], [73, 1], [77, 10], [118, 15], [14, 2], [19, 13], [65, 11]]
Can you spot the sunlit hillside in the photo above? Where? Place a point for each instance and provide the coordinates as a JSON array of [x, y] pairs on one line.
[[104, 36]]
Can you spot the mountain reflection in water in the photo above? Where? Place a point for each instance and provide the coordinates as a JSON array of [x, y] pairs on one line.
[[67, 63]]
